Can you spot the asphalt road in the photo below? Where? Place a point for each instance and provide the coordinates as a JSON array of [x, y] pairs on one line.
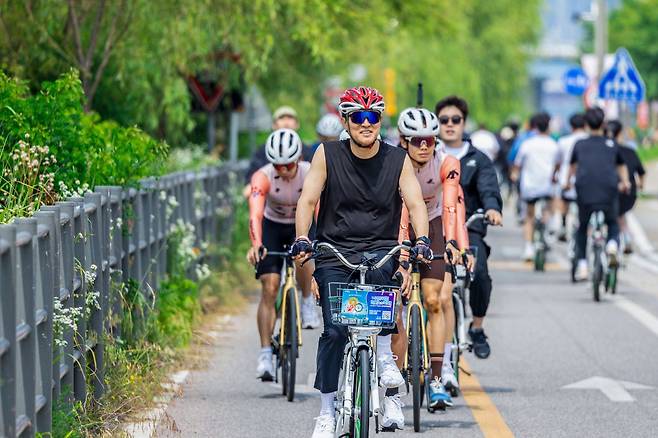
[[546, 334]]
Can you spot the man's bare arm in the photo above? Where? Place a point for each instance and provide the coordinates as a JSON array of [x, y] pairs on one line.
[[413, 198], [313, 186]]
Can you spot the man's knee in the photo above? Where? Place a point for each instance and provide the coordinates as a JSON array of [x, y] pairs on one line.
[[333, 334], [445, 300], [270, 285]]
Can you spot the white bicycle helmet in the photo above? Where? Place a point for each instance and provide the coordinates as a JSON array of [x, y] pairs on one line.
[[418, 122], [329, 125], [283, 146]]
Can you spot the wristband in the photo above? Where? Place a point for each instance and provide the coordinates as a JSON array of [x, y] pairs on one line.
[[453, 242], [404, 264], [302, 237], [423, 240]]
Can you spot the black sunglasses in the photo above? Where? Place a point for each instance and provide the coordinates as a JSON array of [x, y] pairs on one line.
[[456, 120]]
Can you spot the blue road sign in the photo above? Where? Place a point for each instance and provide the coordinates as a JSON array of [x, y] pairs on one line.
[[575, 81], [622, 82]]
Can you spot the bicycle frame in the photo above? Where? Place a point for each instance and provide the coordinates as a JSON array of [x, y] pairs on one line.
[[289, 282], [416, 300], [359, 338]]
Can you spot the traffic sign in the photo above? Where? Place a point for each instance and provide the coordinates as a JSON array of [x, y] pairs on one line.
[[575, 81], [622, 82]]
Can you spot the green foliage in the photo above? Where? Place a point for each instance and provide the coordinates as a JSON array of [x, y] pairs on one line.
[[648, 154], [177, 310], [65, 145], [635, 27], [476, 48]]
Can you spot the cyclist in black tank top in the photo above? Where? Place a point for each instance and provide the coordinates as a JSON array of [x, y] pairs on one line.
[[360, 184]]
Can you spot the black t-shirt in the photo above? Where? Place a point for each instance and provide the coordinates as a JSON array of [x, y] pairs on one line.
[[360, 205], [634, 166], [597, 159], [259, 159]]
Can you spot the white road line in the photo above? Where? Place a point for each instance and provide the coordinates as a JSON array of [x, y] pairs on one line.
[[639, 236], [636, 311]]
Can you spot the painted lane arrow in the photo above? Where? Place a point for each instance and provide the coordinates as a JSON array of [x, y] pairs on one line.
[[615, 390]]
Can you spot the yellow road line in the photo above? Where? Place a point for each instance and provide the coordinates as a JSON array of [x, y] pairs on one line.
[[484, 410]]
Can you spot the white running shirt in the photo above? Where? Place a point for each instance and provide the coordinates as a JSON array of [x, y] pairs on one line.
[[537, 158]]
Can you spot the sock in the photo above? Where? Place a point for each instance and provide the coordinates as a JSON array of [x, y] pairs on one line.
[[267, 351], [327, 400], [436, 361], [308, 301], [384, 346], [447, 355], [391, 391]]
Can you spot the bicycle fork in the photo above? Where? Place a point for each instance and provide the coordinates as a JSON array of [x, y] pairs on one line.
[[416, 301], [289, 283]]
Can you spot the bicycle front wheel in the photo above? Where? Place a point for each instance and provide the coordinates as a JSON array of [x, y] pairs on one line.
[[612, 280], [597, 275], [361, 396], [291, 344], [415, 355]]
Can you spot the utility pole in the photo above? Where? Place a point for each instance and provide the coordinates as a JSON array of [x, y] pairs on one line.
[[601, 35]]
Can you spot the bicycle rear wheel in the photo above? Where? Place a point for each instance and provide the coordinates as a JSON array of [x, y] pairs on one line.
[[361, 396], [290, 361], [611, 283], [415, 355], [597, 275]]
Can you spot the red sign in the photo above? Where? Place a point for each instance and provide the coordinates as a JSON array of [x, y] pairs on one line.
[[208, 94]]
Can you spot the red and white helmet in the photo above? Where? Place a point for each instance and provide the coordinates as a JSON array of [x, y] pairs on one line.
[[361, 99]]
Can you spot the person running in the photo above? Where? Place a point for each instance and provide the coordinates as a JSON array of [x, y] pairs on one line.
[[275, 189], [328, 128], [598, 166], [481, 191], [636, 176], [566, 143], [438, 176], [360, 184], [284, 117], [536, 165]]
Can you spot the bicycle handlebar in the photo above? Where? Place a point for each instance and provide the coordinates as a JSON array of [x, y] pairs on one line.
[[327, 246]]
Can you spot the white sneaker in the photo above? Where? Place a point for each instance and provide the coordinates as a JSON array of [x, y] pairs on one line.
[[310, 318], [611, 249], [448, 378], [393, 418], [529, 252], [265, 369], [581, 270], [389, 374], [325, 426]]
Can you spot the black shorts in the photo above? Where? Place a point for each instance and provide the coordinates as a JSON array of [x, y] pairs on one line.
[[436, 268], [275, 236], [533, 201]]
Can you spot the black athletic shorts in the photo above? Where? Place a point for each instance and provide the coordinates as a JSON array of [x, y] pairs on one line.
[[533, 201], [275, 236]]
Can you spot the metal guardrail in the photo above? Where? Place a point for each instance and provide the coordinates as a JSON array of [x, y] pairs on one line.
[[42, 259]]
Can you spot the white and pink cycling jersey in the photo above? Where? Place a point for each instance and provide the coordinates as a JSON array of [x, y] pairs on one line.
[[429, 178]]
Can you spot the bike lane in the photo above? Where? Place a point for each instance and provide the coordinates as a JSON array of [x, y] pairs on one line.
[[545, 332]]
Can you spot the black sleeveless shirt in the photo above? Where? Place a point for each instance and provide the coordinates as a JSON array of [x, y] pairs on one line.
[[360, 205]]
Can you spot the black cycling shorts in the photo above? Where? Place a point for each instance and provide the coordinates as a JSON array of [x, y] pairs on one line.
[[533, 201], [275, 236]]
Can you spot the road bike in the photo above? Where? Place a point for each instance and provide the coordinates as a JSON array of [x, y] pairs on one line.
[[602, 270], [572, 229], [365, 309], [287, 342], [417, 366], [539, 236]]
